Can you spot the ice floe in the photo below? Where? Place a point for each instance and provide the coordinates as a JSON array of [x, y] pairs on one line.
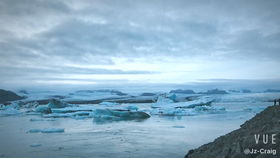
[[10, 111], [35, 145], [55, 103], [43, 109], [118, 115], [40, 119], [164, 102], [178, 126], [71, 114], [105, 103], [47, 130]]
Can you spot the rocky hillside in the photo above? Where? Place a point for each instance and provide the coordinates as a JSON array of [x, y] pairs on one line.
[[239, 143], [6, 96]]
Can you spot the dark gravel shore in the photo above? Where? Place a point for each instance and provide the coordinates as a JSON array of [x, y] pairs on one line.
[[240, 142]]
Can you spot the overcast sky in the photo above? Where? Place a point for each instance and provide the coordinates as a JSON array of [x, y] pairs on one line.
[[138, 41]]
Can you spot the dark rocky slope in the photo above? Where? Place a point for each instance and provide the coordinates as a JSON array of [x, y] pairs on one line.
[[6, 96], [237, 143]]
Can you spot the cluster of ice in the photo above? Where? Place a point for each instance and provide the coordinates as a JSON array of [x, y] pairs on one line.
[[187, 111], [166, 106], [10, 111], [47, 130], [166, 102], [31, 105], [175, 104]]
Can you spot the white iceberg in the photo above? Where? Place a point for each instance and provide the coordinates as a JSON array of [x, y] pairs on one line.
[[167, 103]]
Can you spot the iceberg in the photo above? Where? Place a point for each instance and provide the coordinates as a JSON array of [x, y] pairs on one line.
[[182, 91], [10, 111], [187, 111], [35, 145], [118, 115], [55, 103], [34, 131], [177, 126], [166, 102], [52, 130], [108, 103], [47, 130], [43, 109], [132, 108], [34, 119], [71, 109], [71, 114], [31, 105], [173, 112]]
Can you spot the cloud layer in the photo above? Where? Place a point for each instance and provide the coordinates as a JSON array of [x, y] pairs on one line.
[[141, 41]]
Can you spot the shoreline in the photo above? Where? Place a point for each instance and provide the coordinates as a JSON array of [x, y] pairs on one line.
[[242, 143]]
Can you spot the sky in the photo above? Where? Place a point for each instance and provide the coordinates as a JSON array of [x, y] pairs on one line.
[[91, 42]]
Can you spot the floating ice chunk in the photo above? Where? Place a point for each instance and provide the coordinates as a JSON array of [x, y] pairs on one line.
[[173, 112], [189, 104], [31, 105], [34, 131], [178, 126], [72, 114], [35, 145], [132, 108], [182, 91], [52, 130], [173, 97], [10, 111], [210, 109], [34, 119], [43, 109], [163, 100], [108, 103], [71, 109], [118, 115], [55, 103], [47, 130]]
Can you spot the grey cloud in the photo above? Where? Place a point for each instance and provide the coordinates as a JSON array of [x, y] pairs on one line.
[[57, 71], [52, 33]]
